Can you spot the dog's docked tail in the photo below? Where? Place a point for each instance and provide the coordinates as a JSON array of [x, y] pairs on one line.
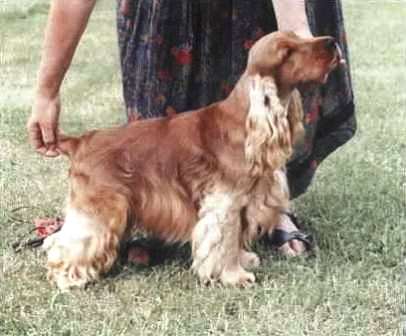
[[68, 145]]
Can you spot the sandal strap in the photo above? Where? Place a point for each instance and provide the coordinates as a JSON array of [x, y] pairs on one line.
[[280, 237]]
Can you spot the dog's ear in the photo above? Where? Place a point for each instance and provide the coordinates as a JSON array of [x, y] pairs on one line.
[[268, 140], [282, 50], [295, 118], [268, 54]]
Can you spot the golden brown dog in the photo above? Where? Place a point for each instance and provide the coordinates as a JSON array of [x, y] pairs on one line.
[[213, 177]]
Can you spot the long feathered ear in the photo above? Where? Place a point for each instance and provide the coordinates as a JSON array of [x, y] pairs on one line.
[[268, 143], [295, 117]]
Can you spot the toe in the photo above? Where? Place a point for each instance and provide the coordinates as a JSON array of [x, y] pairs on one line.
[[292, 248], [287, 250], [298, 246]]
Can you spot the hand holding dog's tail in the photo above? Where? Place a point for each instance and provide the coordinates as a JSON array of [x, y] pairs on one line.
[[67, 145], [42, 126]]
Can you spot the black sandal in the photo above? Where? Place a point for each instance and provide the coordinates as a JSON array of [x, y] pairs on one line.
[[280, 237]]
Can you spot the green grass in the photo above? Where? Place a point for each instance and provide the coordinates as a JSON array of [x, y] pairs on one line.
[[355, 284]]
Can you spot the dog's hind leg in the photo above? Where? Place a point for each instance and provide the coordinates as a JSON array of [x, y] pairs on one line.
[[87, 245]]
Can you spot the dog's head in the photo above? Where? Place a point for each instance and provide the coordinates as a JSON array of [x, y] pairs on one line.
[[293, 60], [277, 63]]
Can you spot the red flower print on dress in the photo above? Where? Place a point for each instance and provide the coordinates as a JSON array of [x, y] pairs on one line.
[[248, 44], [164, 75], [226, 88], [259, 33], [125, 7], [183, 56], [313, 114]]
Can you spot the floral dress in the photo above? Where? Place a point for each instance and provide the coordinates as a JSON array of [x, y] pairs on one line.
[[179, 55]]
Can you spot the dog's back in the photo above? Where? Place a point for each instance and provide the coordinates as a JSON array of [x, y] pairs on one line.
[[151, 164]]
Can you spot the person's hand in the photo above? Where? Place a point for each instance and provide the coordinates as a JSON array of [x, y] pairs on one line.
[[42, 125]]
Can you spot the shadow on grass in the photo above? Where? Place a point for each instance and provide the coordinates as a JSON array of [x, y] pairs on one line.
[[161, 255], [177, 257]]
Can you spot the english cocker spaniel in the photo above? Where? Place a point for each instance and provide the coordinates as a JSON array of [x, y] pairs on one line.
[[213, 177]]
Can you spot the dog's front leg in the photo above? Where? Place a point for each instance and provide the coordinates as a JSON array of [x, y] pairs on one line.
[[216, 241]]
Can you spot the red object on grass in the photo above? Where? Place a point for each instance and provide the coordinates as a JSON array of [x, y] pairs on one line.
[[47, 226], [138, 255]]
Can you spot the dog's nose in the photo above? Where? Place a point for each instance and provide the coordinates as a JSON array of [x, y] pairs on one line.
[[330, 43]]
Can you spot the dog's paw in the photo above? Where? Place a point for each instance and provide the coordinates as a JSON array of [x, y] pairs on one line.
[[208, 271], [67, 265], [237, 277], [249, 260]]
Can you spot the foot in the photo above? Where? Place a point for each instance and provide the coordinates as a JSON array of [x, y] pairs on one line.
[[294, 247], [237, 277], [67, 264]]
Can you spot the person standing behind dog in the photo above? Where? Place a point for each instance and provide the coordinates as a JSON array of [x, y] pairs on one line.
[[179, 55]]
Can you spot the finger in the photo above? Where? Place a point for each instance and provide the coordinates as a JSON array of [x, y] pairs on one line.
[[52, 151], [48, 135], [286, 250], [36, 140], [35, 136], [47, 152], [41, 150]]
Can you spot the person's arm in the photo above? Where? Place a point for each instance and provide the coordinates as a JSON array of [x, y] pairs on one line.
[[291, 16], [67, 21]]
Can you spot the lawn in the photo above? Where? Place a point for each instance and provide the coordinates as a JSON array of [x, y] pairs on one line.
[[353, 286]]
